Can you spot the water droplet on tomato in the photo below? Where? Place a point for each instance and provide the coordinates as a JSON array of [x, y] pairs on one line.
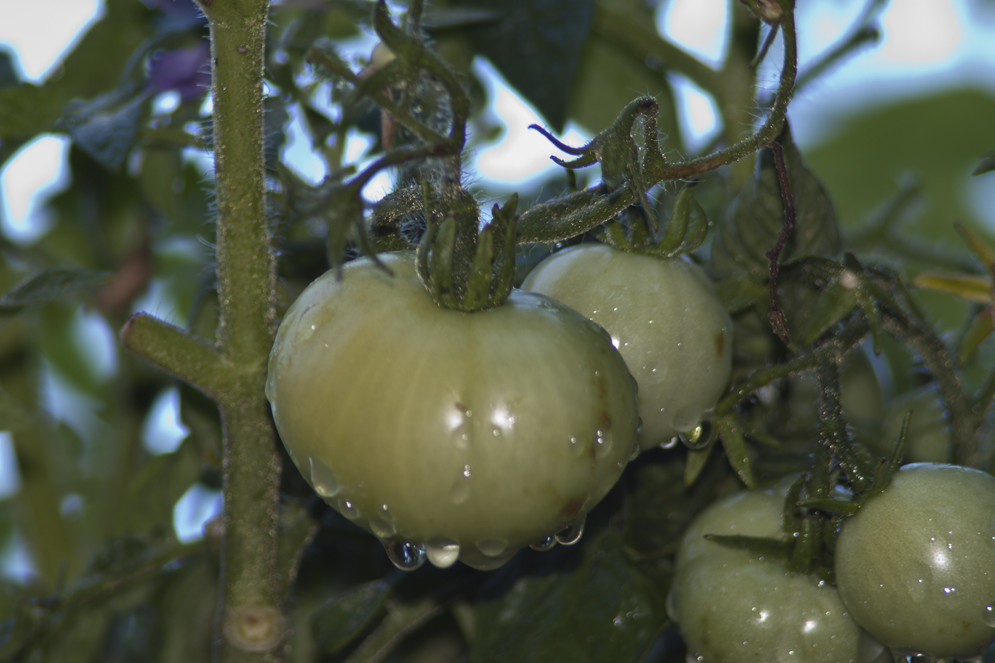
[[671, 443], [634, 454], [323, 479], [405, 555], [305, 331], [571, 534], [492, 547], [460, 491], [546, 544], [576, 448], [686, 418], [602, 443], [443, 553], [988, 615], [349, 509], [382, 522]]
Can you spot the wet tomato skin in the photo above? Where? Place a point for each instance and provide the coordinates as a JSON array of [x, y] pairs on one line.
[[472, 434], [916, 564], [663, 317]]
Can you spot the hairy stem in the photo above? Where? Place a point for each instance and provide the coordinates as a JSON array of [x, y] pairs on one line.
[[253, 589]]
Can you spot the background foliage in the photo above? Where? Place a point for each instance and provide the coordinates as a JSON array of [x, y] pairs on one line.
[[95, 506]]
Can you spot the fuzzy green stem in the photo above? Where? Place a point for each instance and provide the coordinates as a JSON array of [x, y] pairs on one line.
[[253, 589], [176, 351]]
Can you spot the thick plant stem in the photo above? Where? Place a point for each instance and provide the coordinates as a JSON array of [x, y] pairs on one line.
[[251, 618]]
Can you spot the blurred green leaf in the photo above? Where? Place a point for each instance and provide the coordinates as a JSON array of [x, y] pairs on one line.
[[49, 285], [13, 416], [341, 620], [93, 67], [601, 610], [972, 288], [536, 45], [153, 493], [986, 165], [8, 73], [187, 607], [105, 127], [982, 326]]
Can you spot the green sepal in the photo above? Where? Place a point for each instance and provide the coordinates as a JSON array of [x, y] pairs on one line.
[[839, 507], [834, 303], [695, 463], [736, 450], [972, 288], [792, 519], [479, 285], [761, 546], [979, 247]]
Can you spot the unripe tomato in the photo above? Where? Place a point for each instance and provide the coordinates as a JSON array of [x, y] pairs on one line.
[[916, 564], [734, 606], [663, 317], [463, 435]]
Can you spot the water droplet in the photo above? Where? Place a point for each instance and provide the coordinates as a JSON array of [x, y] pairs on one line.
[[686, 418], [495, 432], [546, 544], [671, 443], [405, 555], [988, 615], [443, 553], [576, 448], [672, 607], [382, 523], [349, 509], [323, 479], [698, 437], [571, 534], [460, 491], [602, 443], [492, 547], [634, 454]]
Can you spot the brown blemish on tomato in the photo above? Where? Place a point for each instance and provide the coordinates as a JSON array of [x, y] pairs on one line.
[[572, 508], [720, 343]]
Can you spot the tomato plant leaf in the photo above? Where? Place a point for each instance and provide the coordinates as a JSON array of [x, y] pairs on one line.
[[833, 304], [986, 165], [753, 220], [536, 45], [8, 74], [602, 609], [105, 127], [49, 285], [13, 414], [982, 326], [338, 622]]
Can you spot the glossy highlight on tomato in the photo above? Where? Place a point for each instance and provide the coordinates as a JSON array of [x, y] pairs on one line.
[[663, 317], [916, 565], [449, 435], [735, 606]]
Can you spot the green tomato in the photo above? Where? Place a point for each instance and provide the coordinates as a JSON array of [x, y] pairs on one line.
[[916, 565], [734, 606], [461, 435], [663, 317]]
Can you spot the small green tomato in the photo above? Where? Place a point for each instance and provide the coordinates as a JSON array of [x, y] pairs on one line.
[[447, 434], [916, 565], [663, 317], [733, 606]]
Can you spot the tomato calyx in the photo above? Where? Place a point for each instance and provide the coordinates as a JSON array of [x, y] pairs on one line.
[[685, 231], [463, 269]]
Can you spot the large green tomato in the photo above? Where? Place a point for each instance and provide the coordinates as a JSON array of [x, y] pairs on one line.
[[916, 565], [733, 606], [461, 435], [663, 317]]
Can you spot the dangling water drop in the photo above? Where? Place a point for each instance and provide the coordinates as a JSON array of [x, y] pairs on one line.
[[571, 534], [323, 479], [492, 547], [443, 553], [405, 555], [634, 454], [546, 544], [988, 615], [698, 437]]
